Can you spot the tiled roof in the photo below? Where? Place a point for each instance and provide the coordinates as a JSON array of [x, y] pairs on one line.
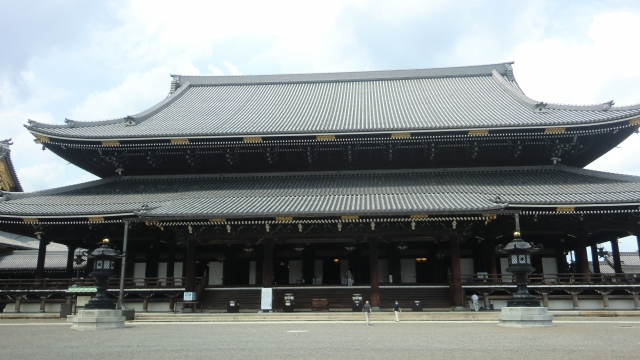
[[20, 242], [331, 193], [28, 259], [627, 258], [474, 97]]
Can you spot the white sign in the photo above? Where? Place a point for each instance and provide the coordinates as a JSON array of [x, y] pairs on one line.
[[266, 299], [189, 296]]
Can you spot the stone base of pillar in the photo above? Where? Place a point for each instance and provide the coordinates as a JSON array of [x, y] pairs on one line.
[[98, 320], [458, 308], [525, 317]]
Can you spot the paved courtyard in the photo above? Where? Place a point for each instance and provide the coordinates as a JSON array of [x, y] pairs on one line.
[[599, 339]]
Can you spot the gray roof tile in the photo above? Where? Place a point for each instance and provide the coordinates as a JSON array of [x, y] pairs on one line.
[[28, 259], [405, 100], [324, 193]]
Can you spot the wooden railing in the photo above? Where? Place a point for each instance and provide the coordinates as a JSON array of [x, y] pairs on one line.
[[554, 279], [114, 283]]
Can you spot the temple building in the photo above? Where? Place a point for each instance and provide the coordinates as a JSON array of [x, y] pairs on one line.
[[399, 183]]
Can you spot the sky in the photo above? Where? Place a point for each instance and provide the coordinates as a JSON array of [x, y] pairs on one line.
[[92, 60]]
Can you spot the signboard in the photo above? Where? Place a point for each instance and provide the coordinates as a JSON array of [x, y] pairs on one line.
[[266, 299], [189, 296]]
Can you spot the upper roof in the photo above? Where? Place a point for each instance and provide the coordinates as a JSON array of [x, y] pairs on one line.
[[460, 98], [8, 178], [397, 192]]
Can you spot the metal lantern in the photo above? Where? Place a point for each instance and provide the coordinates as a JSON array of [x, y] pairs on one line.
[[103, 269], [519, 257]]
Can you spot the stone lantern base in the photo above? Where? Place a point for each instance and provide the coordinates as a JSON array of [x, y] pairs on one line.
[[525, 317], [98, 320]]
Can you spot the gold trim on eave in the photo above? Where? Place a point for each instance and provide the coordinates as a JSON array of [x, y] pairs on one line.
[[350, 217], [491, 216], [111, 143], [252, 139], [554, 130], [150, 222], [478, 132], [635, 121], [30, 220], [218, 220], [6, 180], [96, 219], [284, 218], [419, 216], [180, 141], [400, 135], [41, 138], [325, 137], [565, 209]]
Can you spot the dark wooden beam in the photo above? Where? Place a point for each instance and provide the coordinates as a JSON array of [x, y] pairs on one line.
[[456, 277]]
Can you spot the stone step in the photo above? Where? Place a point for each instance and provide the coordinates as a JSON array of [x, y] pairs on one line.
[[376, 316]]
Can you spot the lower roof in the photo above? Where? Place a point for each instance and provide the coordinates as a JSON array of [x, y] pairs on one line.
[[398, 192]]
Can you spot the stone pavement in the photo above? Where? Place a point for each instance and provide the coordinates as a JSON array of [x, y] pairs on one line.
[[604, 338]]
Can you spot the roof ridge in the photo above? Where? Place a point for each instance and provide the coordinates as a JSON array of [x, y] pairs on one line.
[[372, 75]]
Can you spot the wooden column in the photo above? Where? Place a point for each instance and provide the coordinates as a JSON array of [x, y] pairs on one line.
[[456, 278], [267, 264], [615, 250], [394, 262], [171, 262], [151, 258], [373, 271], [581, 256], [190, 266], [594, 259], [561, 257], [308, 265], [259, 264], [71, 251], [493, 268], [42, 253]]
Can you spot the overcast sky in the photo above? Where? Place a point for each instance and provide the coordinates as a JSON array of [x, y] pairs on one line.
[[90, 60]]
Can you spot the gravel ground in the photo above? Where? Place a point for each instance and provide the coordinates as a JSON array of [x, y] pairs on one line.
[[602, 339]]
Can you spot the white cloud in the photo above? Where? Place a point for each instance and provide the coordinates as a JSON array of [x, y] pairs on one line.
[[595, 71]]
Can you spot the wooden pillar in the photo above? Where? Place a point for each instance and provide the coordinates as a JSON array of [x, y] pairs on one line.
[[394, 262], [373, 271], [493, 268], [594, 259], [617, 265], [71, 251], [42, 253], [190, 266], [308, 265], [561, 257], [151, 266], [581, 256], [171, 262], [267, 264], [259, 265], [456, 278]]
